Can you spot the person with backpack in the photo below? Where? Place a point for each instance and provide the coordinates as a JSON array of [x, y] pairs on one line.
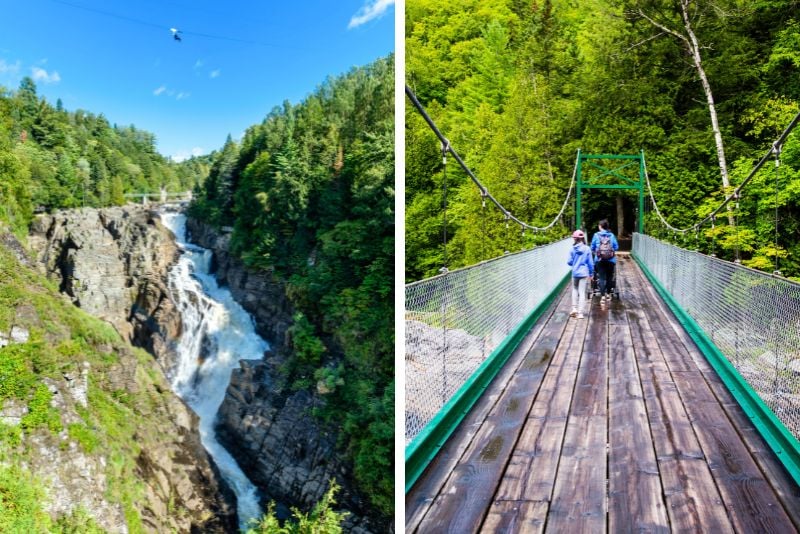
[[580, 259], [605, 246]]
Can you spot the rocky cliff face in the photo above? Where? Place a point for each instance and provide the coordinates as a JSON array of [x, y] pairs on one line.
[[113, 263], [268, 428]]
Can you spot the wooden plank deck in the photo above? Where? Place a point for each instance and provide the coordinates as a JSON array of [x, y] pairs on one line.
[[614, 423]]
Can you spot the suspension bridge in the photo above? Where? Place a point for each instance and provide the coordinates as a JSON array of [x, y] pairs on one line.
[[161, 196], [673, 408]]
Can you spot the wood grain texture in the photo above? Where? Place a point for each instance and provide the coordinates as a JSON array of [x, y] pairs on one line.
[[524, 517], [422, 495], [579, 498], [530, 473], [636, 501], [464, 499]]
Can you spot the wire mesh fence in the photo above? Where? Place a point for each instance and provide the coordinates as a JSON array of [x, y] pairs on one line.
[[752, 317], [454, 321]]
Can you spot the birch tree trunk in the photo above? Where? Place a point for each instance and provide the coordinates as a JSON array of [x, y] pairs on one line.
[[694, 50], [689, 40]]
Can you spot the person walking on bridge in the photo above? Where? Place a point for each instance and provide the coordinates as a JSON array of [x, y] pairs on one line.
[[580, 259], [605, 246]]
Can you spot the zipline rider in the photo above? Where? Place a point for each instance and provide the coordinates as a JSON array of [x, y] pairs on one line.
[[605, 246]]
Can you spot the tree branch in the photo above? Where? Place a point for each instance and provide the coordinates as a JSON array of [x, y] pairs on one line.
[[664, 28], [640, 43]]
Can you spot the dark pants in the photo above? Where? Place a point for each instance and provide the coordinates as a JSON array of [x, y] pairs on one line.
[[605, 276]]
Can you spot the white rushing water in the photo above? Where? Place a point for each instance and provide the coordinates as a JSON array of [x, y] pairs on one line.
[[204, 368]]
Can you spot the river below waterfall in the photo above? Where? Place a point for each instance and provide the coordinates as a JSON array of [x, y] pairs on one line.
[[217, 333]]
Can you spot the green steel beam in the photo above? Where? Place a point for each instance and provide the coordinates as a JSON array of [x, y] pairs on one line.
[[422, 450], [611, 156], [609, 186], [777, 436], [614, 171]]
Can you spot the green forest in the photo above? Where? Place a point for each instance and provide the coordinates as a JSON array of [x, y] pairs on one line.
[[309, 193], [51, 158], [518, 87]]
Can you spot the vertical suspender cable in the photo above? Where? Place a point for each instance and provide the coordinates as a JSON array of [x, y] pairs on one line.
[[508, 238], [445, 148], [483, 223], [736, 226], [777, 149], [714, 236]]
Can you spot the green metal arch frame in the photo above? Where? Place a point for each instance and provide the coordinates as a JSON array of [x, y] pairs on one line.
[[628, 160]]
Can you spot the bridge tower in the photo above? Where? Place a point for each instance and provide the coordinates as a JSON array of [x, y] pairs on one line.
[[623, 162]]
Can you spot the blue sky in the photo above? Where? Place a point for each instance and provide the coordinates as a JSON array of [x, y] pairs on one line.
[[236, 60]]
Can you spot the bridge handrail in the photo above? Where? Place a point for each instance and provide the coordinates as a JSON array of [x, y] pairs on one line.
[[461, 327], [747, 324]]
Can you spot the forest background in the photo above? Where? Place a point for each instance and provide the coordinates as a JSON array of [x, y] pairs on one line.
[[518, 86]]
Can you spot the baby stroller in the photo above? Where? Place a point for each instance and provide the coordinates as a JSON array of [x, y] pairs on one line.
[[611, 285]]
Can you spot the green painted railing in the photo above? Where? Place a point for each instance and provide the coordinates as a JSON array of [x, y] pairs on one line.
[[461, 327], [747, 324]]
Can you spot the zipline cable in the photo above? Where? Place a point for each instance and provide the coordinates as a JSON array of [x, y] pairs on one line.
[[484, 191], [165, 27]]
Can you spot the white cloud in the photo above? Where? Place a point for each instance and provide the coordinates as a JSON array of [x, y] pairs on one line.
[[373, 9], [164, 90], [9, 68], [199, 63], [41, 75], [214, 73], [182, 155]]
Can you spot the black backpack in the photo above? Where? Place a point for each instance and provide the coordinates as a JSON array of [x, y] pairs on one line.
[[605, 251]]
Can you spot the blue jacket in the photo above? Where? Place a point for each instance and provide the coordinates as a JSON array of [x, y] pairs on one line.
[[580, 259], [596, 243]]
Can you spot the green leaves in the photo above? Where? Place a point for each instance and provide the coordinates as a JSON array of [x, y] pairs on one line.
[[52, 159], [600, 77], [322, 519]]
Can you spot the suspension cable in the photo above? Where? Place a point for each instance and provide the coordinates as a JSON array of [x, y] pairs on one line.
[[484, 190], [774, 149]]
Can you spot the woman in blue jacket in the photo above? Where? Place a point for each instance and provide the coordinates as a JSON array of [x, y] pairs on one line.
[[582, 263]]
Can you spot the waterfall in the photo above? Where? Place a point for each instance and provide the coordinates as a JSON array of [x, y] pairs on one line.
[[217, 333]]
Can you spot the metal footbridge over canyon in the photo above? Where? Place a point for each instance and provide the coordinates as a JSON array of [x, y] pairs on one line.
[[675, 408]]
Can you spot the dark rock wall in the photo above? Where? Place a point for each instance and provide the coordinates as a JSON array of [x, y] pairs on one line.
[[269, 429], [113, 263]]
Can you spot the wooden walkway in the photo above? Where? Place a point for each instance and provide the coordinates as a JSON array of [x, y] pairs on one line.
[[613, 423]]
